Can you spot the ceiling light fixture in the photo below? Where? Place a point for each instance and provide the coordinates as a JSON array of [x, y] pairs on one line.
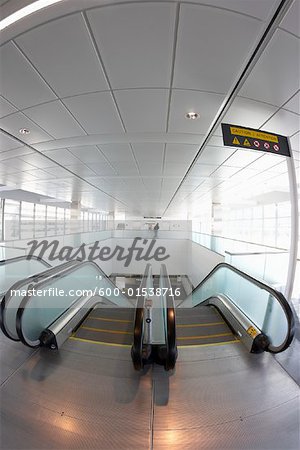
[[192, 115], [26, 11], [24, 131]]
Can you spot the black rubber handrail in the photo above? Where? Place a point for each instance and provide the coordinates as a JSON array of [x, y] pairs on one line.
[[170, 330], [28, 258], [138, 330], [40, 285], [276, 294], [21, 284]]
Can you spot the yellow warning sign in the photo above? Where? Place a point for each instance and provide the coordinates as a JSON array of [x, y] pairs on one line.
[[252, 332], [247, 143], [253, 134], [236, 141]]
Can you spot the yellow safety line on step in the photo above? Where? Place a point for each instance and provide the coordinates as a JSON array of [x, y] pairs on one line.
[[204, 337], [99, 343], [190, 325], [209, 345], [110, 320], [105, 331]]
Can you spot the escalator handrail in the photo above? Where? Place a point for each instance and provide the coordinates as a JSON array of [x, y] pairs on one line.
[[19, 258], [138, 330], [41, 284], [17, 286], [170, 330], [276, 294]]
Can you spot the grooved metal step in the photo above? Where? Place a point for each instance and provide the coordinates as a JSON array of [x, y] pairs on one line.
[[202, 325], [108, 326]]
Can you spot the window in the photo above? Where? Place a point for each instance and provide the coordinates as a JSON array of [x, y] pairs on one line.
[[27, 220], [11, 220], [40, 221]]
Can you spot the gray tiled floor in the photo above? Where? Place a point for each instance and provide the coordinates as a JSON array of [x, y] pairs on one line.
[[88, 396]]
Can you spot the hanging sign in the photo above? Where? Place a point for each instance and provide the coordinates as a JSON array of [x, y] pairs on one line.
[[249, 138]]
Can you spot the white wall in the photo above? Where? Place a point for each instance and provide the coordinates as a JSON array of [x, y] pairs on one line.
[[201, 261], [176, 263]]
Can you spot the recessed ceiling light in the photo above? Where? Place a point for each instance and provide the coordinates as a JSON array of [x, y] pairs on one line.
[[24, 131], [192, 115], [26, 11]]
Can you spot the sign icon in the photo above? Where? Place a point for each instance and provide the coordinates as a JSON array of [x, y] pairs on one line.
[[236, 141], [266, 145], [247, 143], [276, 147], [256, 143]]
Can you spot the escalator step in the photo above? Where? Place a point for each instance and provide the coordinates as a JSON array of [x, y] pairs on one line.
[[107, 325]]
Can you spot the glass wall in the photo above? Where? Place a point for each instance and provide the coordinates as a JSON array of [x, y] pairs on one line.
[[24, 220], [267, 225]]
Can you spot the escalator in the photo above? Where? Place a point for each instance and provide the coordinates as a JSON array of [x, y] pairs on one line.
[[230, 306], [219, 397], [14, 269], [45, 309]]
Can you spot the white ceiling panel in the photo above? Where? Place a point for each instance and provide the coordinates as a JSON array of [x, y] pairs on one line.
[[275, 78], [180, 152], [176, 169], [202, 170], [214, 155], [224, 172], [125, 168], [38, 161], [135, 184], [4, 169], [88, 154], [63, 53], [15, 153], [95, 112], [135, 42], [143, 110], [216, 141], [256, 8], [241, 158], [153, 183], [291, 22], [54, 118], [62, 156], [22, 177], [295, 142], [81, 169], [193, 181], [43, 174], [294, 104], [284, 122], [147, 168], [15, 122], [106, 170], [60, 172], [5, 107], [7, 143], [248, 113], [212, 46], [244, 175], [149, 152], [19, 82], [18, 164], [266, 162], [204, 103], [116, 152]]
